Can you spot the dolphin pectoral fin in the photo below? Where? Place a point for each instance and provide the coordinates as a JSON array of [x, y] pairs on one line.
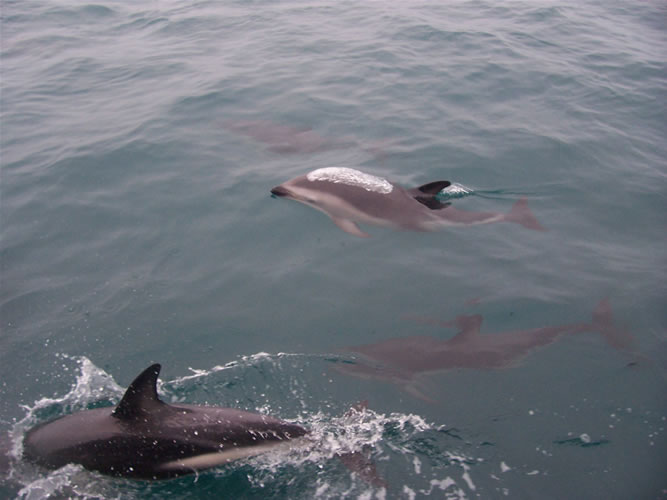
[[349, 227], [619, 338], [413, 390]]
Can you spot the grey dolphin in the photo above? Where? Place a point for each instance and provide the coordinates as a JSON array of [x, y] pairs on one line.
[[143, 437], [349, 196], [400, 360], [285, 139]]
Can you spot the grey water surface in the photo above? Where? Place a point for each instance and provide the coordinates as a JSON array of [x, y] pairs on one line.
[[139, 143]]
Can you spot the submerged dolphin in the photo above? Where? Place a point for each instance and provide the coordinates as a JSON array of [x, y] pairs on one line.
[[400, 360], [143, 437], [285, 139], [349, 196]]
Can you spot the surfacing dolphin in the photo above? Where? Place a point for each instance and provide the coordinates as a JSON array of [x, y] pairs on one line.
[[145, 438], [401, 360], [349, 196]]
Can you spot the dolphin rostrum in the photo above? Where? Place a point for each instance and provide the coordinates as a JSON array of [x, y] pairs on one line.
[[349, 196], [145, 438], [401, 360]]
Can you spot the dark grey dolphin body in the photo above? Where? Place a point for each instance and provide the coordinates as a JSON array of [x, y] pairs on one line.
[[143, 437], [349, 196]]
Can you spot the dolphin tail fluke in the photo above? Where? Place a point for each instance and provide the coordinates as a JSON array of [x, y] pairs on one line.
[[521, 214], [602, 321]]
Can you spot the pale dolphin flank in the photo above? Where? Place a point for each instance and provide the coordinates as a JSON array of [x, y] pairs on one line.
[[286, 139], [401, 360], [143, 437], [349, 196]]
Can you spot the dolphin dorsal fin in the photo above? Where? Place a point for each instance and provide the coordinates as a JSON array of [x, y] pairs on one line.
[[426, 194], [469, 327], [141, 396], [434, 187]]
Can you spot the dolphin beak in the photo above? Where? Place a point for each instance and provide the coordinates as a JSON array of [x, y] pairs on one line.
[[279, 191]]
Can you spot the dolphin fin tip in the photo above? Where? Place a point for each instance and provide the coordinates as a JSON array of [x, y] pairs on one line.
[[521, 214], [141, 395], [619, 338]]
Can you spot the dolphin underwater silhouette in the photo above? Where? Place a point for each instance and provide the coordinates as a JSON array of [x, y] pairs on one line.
[[285, 139], [349, 196], [400, 360], [145, 438]]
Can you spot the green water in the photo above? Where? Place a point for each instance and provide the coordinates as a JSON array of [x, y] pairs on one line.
[[137, 227]]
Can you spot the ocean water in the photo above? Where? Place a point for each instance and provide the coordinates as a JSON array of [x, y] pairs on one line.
[[139, 143]]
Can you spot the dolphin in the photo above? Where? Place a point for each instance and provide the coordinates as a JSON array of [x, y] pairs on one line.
[[285, 139], [146, 438], [349, 196], [401, 360]]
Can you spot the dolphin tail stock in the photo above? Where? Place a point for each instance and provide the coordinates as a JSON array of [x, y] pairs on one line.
[[521, 214], [617, 338]]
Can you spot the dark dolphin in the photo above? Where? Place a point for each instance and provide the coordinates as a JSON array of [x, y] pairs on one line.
[[401, 360], [143, 437], [349, 196]]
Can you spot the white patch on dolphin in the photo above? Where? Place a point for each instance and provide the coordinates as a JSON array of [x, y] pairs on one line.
[[351, 177]]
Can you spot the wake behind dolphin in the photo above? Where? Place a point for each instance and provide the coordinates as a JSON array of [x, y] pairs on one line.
[[143, 437], [349, 196]]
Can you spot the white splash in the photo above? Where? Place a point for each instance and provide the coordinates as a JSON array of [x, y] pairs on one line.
[[448, 485], [361, 432], [351, 177], [417, 464], [242, 362], [453, 191], [456, 188], [92, 384]]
